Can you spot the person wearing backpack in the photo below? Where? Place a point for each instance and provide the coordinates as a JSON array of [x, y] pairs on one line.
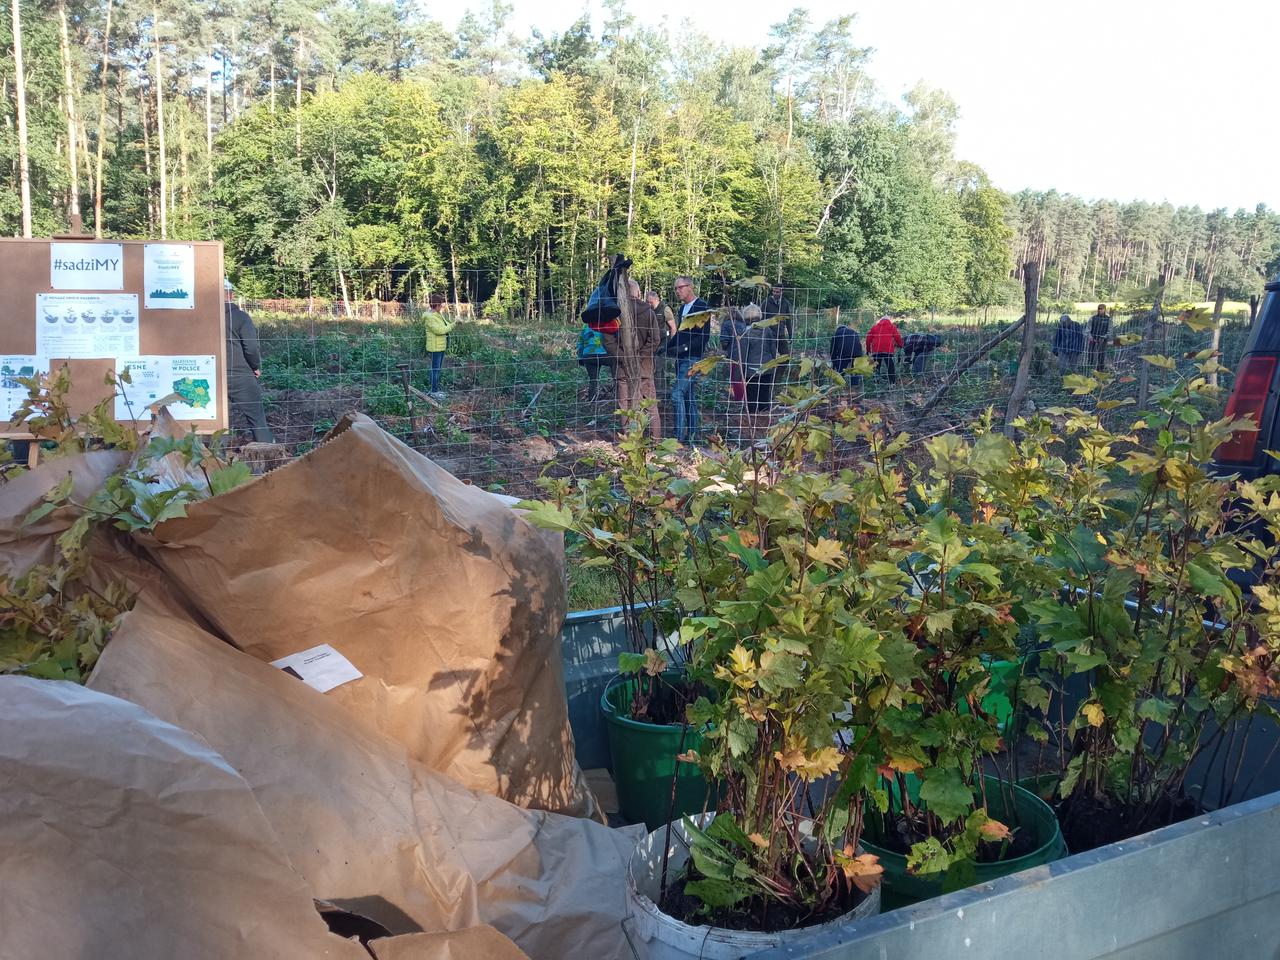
[[438, 329], [687, 348]]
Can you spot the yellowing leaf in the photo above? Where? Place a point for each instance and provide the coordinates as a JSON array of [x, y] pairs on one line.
[[826, 551], [741, 660], [995, 830], [655, 664], [759, 841], [864, 870], [689, 756], [905, 764], [1093, 713]]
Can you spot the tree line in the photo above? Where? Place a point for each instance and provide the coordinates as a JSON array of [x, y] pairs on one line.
[[356, 149]]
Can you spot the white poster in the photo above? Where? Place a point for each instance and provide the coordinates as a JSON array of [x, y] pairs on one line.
[[86, 266], [169, 276], [78, 326], [12, 393], [194, 379]]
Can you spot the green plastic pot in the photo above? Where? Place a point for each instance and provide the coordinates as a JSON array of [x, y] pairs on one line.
[[644, 760], [902, 889], [997, 702]]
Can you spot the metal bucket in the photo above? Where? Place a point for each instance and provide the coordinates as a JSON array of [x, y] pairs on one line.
[[655, 936]]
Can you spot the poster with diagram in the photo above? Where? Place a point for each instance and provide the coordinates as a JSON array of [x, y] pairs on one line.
[[169, 276], [12, 393], [83, 326], [194, 379]]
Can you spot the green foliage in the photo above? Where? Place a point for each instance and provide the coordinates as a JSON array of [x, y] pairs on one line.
[[56, 618], [841, 604]]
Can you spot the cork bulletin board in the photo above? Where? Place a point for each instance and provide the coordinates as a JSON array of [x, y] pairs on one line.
[[96, 305]]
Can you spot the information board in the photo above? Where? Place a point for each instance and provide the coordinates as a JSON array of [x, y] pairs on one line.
[[98, 306]]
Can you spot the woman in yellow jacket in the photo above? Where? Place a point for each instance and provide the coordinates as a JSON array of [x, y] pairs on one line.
[[438, 329]]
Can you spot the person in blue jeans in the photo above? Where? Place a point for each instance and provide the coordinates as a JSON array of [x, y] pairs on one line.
[[686, 347], [438, 329]]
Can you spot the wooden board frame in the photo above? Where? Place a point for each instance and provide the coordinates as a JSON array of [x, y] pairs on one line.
[[25, 267]]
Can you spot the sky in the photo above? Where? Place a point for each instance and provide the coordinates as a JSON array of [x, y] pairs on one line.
[[1121, 99]]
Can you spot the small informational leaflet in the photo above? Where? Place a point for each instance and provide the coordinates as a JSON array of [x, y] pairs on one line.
[[194, 379], [12, 393], [321, 668], [169, 276], [79, 326], [86, 266]]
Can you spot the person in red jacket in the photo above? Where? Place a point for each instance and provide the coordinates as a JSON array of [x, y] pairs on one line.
[[882, 340]]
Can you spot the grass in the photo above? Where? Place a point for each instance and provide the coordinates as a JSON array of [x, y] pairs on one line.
[[591, 588]]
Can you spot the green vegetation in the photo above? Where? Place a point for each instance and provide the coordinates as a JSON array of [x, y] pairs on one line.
[[840, 620]]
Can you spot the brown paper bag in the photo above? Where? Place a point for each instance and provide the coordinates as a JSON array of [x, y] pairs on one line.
[[441, 595], [474, 943], [369, 829], [123, 836]]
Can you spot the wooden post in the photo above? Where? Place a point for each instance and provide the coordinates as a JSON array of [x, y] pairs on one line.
[[1217, 329], [628, 364], [1148, 342], [1031, 296]]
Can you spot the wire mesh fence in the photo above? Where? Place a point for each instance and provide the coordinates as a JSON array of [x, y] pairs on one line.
[[513, 400]]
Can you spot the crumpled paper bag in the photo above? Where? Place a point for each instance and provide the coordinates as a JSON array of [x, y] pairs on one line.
[[446, 600], [123, 836], [367, 827]]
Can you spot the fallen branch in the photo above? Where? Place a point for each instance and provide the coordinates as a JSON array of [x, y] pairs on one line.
[[968, 362]]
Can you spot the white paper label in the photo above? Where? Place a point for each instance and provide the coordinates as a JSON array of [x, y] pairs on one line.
[[86, 266], [195, 379], [80, 326], [321, 668], [169, 276], [12, 393]]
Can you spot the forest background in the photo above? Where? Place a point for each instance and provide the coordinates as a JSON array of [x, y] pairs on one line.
[[359, 150]]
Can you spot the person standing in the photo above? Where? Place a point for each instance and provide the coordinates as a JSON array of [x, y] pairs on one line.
[[733, 329], [846, 346], [592, 357], [438, 329], [686, 347], [776, 305], [883, 339], [634, 371], [1068, 344], [1099, 337], [244, 370], [759, 347]]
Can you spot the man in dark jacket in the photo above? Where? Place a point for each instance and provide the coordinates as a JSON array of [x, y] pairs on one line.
[[244, 367], [918, 347], [1068, 343], [846, 346], [634, 371], [686, 348], [1099, 337], [776, 305]]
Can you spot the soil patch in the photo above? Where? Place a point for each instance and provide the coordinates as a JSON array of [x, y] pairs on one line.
[[1089, 823], [759, 914]]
